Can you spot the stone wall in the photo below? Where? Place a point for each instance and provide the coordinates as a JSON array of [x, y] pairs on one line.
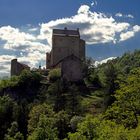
[[82, 49], [71, 69], [64, 45], [69, 50], [17, 68]]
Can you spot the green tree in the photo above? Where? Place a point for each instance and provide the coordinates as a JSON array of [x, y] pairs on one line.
[[8, 113], [86, 129], [55, 95], [13, 133], [73, 97], [134, 134], [110, 73], [44, 130], [62, 124], [74, 122], [127, 107], [8, 83], [96, 128], [36, 112], [41, 124]]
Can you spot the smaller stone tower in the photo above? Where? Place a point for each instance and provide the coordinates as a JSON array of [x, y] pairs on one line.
[[17, 68]]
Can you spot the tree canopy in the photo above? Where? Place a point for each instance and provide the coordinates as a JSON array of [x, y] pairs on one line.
[[105, 105]]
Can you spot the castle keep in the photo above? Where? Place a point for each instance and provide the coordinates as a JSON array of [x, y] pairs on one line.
[[65, 43], [68, 52]]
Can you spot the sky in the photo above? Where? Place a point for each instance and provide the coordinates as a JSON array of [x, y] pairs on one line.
[[109, 27]]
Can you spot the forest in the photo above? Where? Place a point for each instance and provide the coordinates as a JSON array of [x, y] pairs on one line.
[[105, 105]]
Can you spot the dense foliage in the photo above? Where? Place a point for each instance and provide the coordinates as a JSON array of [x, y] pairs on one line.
[[104, 106]]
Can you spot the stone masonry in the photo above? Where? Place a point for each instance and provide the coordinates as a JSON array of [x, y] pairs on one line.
[[17, 68], [68, 52]]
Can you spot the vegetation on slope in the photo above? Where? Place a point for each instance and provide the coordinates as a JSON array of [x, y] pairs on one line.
[[104, 106]]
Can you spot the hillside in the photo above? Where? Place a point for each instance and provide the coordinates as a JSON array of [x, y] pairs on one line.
[[104, 106]]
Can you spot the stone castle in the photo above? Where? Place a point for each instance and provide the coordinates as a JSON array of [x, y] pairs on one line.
[[68, 52]]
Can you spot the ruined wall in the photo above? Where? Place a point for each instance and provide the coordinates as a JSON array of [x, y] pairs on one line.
[[17, 68]]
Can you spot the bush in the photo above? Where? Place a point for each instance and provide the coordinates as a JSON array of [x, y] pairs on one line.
[[54, 74]]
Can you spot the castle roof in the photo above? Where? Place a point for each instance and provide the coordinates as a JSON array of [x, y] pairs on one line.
[[66, 32]]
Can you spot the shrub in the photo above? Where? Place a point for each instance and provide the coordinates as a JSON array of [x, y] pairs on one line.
[[54, 74]]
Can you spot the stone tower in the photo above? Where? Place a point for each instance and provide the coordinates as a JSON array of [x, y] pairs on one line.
[[17, 68], [66, 45]]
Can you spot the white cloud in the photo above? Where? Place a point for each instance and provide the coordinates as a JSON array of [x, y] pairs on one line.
[[129, 34], [125, 16], [33, 59], [5, 61], [84, 9], [17, 40], [119, 15], [11, 35], [33, 29], [103, 61], [94, 27], [130, 16], [136, 28]]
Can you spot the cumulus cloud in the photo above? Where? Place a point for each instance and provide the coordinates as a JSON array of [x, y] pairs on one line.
[[5, 61], [94, 27], [14, 36], [129, 34], [84, 9], [18, 40], [32, 59]]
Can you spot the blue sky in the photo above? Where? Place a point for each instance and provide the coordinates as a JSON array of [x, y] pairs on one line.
[[109, 27]]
